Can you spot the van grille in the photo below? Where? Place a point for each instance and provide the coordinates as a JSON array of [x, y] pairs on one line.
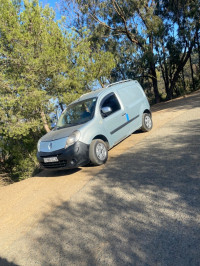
[[52, 154], [59, 164]]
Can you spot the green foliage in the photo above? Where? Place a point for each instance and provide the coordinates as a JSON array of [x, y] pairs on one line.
[[134, 22], [163, 35], [20, 160], [181, 21], [40, 63], [88, 64]]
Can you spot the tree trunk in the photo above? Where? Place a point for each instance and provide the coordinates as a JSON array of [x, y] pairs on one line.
[[170, 92], [153, 71], [61, 107], [181, 66], [192, 73], [155, 82], [167, 90], [142, 79], [183, 79], [102, 85], [198, 47], [165, 71], [44, 120]]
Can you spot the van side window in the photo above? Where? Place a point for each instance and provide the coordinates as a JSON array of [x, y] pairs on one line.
[[112, 102]]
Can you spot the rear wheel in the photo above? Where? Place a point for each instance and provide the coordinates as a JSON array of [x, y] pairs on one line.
[[98, 152], [147, 122]]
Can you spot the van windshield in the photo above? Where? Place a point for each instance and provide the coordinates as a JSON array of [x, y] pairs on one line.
[[77, 113]]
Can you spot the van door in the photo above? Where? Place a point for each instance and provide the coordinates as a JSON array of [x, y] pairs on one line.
[[115, 122], [132, 98]]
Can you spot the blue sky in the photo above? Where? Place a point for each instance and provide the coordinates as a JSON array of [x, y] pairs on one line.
[[52, 3]]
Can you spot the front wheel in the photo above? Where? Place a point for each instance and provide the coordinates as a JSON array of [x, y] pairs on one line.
[[147, 122], [98, 152]]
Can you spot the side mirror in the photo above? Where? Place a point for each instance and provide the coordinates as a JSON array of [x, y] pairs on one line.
[[106, 110]]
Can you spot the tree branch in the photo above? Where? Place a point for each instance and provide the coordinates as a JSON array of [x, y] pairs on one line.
[[122, 31], [44, 120]]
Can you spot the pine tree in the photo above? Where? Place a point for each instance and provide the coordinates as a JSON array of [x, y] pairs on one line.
[[40, 64]]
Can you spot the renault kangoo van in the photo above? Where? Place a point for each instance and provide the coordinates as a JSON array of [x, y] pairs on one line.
[[93, 124]]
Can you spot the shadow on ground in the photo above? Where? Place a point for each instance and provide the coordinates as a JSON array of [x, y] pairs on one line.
[[54, 173], [142, 209], [4, 262]]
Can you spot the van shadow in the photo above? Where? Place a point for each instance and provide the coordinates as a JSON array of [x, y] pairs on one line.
[[142, 209], [5, 262], [55, 173]]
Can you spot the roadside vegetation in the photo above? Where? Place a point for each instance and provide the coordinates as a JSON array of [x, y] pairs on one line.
[[46, 63]]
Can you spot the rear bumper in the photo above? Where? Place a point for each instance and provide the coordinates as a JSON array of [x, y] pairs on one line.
[[74, 156]]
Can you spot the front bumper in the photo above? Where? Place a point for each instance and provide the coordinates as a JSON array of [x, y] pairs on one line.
[[74, 156]]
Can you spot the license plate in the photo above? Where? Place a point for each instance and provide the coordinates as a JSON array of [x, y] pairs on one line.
[[50, 160]]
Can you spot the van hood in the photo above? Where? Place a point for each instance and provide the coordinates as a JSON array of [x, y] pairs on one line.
[[59, 133]]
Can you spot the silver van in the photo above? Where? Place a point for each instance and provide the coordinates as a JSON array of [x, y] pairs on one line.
[[93, 124]]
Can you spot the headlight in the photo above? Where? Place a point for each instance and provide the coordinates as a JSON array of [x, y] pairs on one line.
[[38, 145], [74, 137]]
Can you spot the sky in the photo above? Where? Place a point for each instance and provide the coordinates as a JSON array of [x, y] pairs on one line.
[[55, 4], [52, 3]]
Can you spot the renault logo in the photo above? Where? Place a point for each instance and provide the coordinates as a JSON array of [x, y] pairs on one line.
[[50, 146]]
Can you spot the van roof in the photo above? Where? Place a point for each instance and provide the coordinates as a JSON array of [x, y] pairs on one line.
[[96, 93]]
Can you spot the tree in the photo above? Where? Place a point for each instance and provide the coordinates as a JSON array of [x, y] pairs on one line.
[[181, 20], [163, 33], [133, 20], [86, 65], [40, 63]]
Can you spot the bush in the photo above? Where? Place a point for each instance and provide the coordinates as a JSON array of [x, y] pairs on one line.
[[19, 157]]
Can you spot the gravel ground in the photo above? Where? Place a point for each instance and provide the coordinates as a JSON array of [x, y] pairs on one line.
[[141, 208]]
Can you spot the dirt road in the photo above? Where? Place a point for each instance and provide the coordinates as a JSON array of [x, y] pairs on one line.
[[117, 214]]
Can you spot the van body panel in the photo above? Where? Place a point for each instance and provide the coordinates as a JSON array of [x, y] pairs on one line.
[[131, 106], [114, 126], [92, 129], [59, 133], [52, 145], [111, 126]]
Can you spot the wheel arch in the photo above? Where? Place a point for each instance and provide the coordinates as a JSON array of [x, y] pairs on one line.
[[102, 137], [147, 111]]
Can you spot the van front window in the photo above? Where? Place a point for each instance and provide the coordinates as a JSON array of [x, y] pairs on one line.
[[77, 113]]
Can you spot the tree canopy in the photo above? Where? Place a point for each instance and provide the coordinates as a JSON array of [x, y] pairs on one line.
[[41, 63], [163, 34]]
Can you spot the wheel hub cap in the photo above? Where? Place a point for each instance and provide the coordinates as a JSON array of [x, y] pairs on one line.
[[148, 122], [101, 151]]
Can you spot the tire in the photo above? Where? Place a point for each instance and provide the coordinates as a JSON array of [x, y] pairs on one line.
[[98, 152], [147, 122]]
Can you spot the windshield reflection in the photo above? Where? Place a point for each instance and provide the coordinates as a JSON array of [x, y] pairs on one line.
[[77, 113]]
